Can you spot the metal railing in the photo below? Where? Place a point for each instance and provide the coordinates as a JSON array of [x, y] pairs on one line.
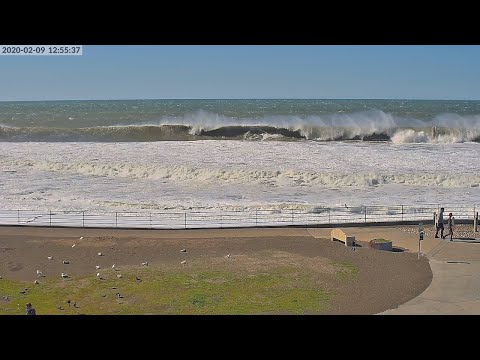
[[320, 215]]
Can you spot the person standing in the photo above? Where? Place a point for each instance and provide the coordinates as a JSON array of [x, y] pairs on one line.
[[450, 224], [440, 223], [29, 310]]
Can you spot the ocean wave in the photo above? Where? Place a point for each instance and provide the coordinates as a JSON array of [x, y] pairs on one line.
[[364, 126], [199, 175]]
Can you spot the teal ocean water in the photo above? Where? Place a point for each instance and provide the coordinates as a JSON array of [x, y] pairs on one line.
[[287, 120]]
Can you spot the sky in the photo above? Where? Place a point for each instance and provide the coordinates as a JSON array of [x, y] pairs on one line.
[[246, 72]]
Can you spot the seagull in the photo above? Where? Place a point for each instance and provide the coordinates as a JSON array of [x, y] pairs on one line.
[[120, 296], [64, 275], [60, 308], [100, 254], [145, 263], [98, 274], [50, 257], [39, 273], [183, 250], [97, 267], [183, 262], [228, 256], [75, 305], [66, 262], [138, 279], [36, 282], [346, 206], [113, 266], [81, 237], [73, 245], [119, 276]]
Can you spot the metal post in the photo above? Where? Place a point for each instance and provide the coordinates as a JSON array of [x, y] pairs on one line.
[[18, 216], [50, 217], [365, 214], [83, 218], [116, 219], [185, 220], [475, 223], [402, 212]]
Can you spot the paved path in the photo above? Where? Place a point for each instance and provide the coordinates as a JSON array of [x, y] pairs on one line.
[[455, 287]]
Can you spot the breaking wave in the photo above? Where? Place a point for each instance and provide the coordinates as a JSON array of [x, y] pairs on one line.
[[363, 126]]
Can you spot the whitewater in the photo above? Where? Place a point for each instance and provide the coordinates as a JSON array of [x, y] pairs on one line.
[[180, 155]]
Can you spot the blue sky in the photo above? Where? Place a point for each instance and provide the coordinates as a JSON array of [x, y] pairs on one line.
[[261, 71]]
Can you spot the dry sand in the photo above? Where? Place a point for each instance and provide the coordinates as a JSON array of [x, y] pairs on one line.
[[384, 280]]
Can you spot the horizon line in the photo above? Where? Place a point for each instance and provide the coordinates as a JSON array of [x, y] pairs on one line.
[[280, 98]]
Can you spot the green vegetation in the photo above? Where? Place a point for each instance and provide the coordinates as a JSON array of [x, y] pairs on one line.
[[184, 291], [345, 270], [381, 241]]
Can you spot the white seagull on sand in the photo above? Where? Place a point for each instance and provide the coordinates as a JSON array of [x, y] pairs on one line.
[[64, 275], [73, 245], [36, 282], [98, 274], [39, 273], [81, 237], [97, 267], [183, 262], [100, 254], [145, 263], [50, 257], [119, 276], [183, 250]]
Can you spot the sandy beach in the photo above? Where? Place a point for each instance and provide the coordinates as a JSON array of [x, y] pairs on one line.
[[383, 280]]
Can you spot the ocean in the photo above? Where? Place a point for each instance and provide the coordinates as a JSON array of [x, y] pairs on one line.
[[219, 155]]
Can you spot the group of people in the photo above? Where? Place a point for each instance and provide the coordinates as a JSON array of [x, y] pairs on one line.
[[439, 224]]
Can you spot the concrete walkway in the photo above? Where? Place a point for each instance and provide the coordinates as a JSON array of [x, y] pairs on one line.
[[455, 287]]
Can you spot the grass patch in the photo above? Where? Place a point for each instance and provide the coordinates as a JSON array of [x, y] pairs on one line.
[[184, 291], [345, 270]]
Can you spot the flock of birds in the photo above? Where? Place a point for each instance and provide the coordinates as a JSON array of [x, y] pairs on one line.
[[98, 274]]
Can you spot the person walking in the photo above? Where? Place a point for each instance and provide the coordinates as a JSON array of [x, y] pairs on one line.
[[450, 224], [440, 223]]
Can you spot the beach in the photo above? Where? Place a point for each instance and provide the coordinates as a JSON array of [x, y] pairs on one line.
[[360, 281]]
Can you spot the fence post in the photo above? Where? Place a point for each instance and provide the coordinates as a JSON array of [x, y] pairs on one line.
[[475, 223], [18, 216], [83, 218], [402, 212], [116, 219], [365, 214], [185, 220]]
